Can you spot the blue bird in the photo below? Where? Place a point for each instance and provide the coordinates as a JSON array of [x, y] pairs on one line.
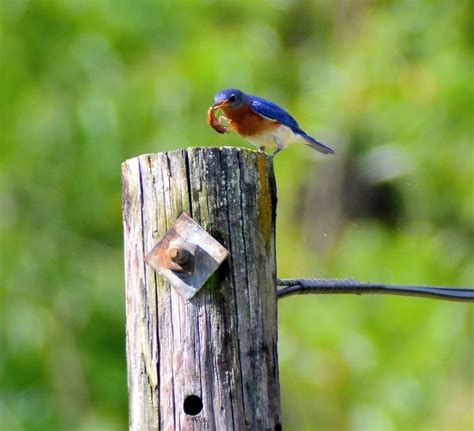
[[261, 122]]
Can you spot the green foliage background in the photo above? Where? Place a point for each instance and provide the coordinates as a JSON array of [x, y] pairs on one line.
[[389, 84]]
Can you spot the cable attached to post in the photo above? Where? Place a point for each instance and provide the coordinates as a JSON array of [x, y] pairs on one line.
[[325, 286]]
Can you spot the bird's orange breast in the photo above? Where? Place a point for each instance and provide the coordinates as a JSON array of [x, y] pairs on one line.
[[248, 123]]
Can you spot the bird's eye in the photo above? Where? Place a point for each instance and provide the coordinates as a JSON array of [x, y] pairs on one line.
[[232, 99]]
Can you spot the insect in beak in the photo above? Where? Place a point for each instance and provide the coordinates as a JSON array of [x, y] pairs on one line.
[[213, 121]]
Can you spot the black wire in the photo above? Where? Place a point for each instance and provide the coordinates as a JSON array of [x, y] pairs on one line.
[[318, 286]]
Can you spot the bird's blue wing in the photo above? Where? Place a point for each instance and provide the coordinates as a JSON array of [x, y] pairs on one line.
[[273, 112]]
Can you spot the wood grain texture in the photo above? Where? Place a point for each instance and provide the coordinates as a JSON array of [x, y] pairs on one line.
[[222, 344]]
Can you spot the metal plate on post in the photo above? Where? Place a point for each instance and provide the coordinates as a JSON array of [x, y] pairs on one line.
[[186, 256]]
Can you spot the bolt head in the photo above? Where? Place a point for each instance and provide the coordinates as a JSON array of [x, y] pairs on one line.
[[179, 255]]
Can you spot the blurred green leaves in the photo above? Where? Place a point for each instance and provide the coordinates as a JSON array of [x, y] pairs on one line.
[[87, 84]]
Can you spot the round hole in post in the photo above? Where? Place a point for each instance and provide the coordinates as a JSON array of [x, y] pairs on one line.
[[192, 405]]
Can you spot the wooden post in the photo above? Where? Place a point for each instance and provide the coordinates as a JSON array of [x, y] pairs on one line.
[[209, 363]]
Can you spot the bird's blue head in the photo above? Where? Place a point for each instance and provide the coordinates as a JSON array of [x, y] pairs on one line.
[[229, 98]]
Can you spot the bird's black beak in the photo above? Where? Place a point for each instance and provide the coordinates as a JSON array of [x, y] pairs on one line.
[[219, 105]]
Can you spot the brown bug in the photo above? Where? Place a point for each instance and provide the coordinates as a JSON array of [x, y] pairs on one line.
[[214, 122]]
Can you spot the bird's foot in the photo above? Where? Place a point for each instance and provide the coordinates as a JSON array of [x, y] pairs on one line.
[[275, 152]]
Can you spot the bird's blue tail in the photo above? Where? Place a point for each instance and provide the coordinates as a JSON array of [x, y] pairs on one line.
[[313, 143]]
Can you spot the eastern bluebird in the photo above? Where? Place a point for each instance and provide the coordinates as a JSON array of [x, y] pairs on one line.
[[261, 122]]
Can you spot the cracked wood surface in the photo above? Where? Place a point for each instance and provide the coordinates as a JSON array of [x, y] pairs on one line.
[[222, 344]]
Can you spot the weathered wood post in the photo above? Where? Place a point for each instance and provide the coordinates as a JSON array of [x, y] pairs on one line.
[[209, 362]]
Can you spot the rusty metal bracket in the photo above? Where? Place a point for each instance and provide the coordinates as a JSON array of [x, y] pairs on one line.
[[186, 256]]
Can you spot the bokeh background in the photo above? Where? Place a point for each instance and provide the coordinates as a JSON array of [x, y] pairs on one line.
[[86, 84]]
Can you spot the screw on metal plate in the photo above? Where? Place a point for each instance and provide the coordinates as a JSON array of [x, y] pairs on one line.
[[186, 256]]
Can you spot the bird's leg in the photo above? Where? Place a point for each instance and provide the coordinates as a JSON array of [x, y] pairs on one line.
[[275, 152], [278, 148]]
